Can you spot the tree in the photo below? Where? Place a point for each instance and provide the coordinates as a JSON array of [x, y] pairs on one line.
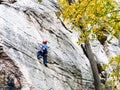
[[114, 67], [93, 19]]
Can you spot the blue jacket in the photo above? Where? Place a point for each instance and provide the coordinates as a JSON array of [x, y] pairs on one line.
[[43, 47]]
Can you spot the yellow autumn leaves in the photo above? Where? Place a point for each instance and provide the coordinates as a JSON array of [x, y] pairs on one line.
[[91, 14], [94, 19], [114, 76]]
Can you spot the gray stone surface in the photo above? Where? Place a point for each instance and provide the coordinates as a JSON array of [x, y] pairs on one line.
[[26, 23]]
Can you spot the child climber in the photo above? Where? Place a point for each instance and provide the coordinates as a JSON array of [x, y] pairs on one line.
[[43, 52]]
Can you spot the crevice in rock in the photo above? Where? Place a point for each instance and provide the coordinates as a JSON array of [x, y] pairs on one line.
[[58, 8], [63, 34], [53, 63], [38, 16], [47, 17], [112, 43], [54, 4], [64, 25], [82, 46], [61, 68], [52, 32], [71, 45], [35, 16], [9, 5], [73, 71], [8, 1]]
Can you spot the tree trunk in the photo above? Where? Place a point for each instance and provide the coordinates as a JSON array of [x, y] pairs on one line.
[[93, 64], [119, 40]]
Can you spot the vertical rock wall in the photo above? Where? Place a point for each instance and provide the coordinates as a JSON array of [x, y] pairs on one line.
[[24, 24]]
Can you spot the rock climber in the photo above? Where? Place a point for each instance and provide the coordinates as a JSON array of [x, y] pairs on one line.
[[43, 52]]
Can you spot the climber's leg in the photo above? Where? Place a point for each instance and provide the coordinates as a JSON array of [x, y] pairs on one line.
[[45, 60], [39, 53]]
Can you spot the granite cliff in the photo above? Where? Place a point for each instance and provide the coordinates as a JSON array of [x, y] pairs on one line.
[[24, 24]]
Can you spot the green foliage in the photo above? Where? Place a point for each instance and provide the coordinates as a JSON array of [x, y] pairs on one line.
[[94, 18], [114, 67], [39, 0]]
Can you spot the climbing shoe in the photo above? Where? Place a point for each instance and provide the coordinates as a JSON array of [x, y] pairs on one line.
[[46, 65]]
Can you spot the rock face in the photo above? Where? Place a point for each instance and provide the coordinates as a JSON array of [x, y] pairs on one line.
[[26, 23]]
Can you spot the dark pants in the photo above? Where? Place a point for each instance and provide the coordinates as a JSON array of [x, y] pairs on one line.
[[10, 88], [45, 59], [39, 54]]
